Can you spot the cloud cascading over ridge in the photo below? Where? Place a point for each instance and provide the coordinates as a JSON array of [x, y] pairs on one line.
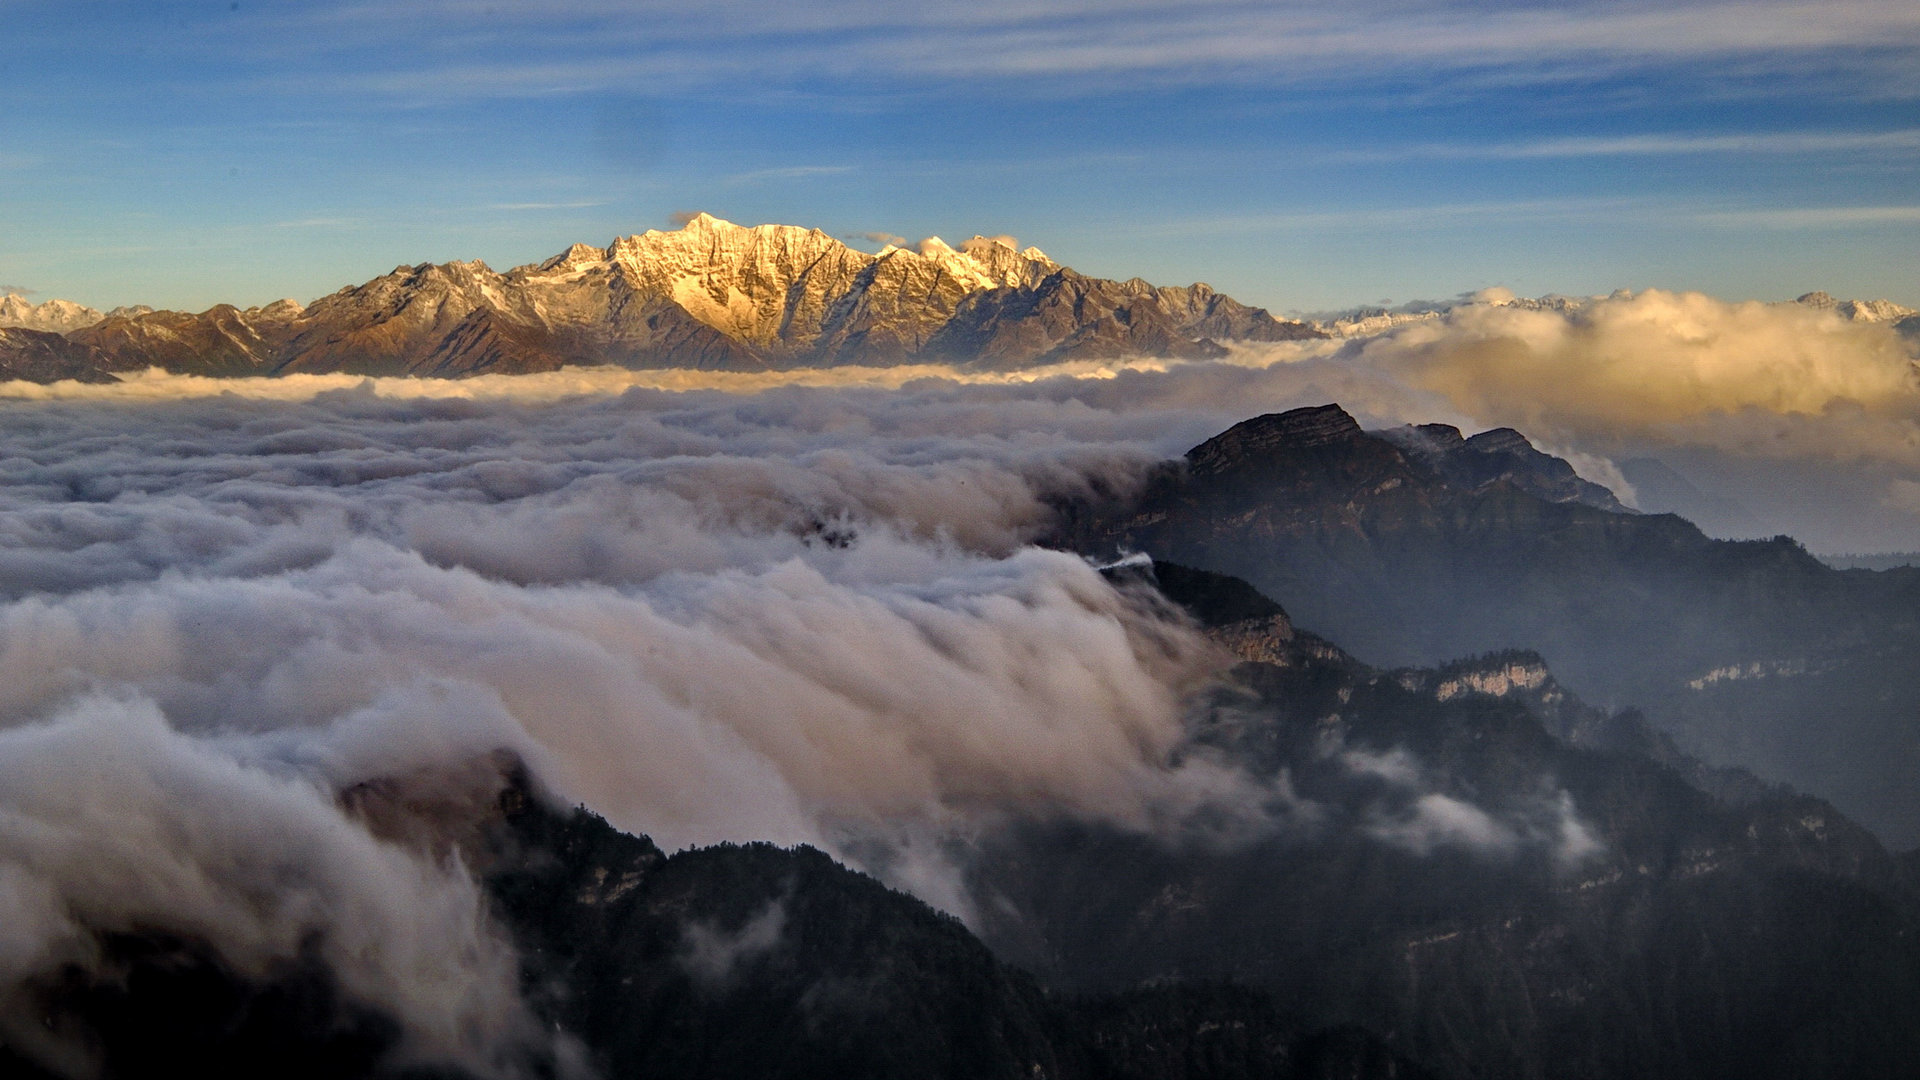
[[112, 822], [796, 607], [800, 616]]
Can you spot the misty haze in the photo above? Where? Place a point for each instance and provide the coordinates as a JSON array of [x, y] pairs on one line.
[[1112, 642]]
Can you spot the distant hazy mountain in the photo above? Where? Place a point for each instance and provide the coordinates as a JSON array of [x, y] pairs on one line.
[[1368, 321], [58, 316], [719, 296], [1753, 652], [1858, 310], [1658, 489], [711, 295], [1884, 560], [1904, 320]]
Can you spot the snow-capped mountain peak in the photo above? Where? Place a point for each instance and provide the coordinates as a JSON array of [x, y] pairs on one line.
[[58, 316], [710, 294]]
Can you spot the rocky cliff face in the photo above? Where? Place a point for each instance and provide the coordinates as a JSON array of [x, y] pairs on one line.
[[711, 295], [1500, 455]]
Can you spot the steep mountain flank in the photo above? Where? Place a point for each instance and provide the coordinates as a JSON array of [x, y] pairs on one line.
[[757, 962], [221, 341], [43, 356], [1069, 317], [1502, 454]]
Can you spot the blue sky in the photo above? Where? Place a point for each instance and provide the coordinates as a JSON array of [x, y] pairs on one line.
[[1300, 156]]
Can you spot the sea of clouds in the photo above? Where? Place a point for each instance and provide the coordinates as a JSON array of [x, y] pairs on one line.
[[792, 607], [804, 615]]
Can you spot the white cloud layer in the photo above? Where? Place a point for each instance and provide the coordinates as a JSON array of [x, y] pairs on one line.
[[1810, 420], [804, 616]]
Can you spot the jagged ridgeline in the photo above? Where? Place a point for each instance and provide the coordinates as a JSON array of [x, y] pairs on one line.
[[712, 295]]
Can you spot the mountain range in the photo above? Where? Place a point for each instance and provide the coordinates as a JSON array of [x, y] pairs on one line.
[[57, 316], [711, 295]]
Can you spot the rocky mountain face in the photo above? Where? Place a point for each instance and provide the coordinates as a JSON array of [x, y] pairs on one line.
[[714, 295], [1858, 310], [1750, 652], [1501, 455], [43, 356], [711, 295], [1903, 319]]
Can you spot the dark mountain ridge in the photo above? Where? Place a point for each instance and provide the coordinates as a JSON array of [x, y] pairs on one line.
[[1587, 903], [1749, 652]]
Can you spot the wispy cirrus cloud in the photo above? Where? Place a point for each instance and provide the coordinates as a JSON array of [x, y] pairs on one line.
[[321, 223], [1815, 217], [588, 44], [1414, 217], [1541, 211], [1905, 140], [577, 204], [788, 172]]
